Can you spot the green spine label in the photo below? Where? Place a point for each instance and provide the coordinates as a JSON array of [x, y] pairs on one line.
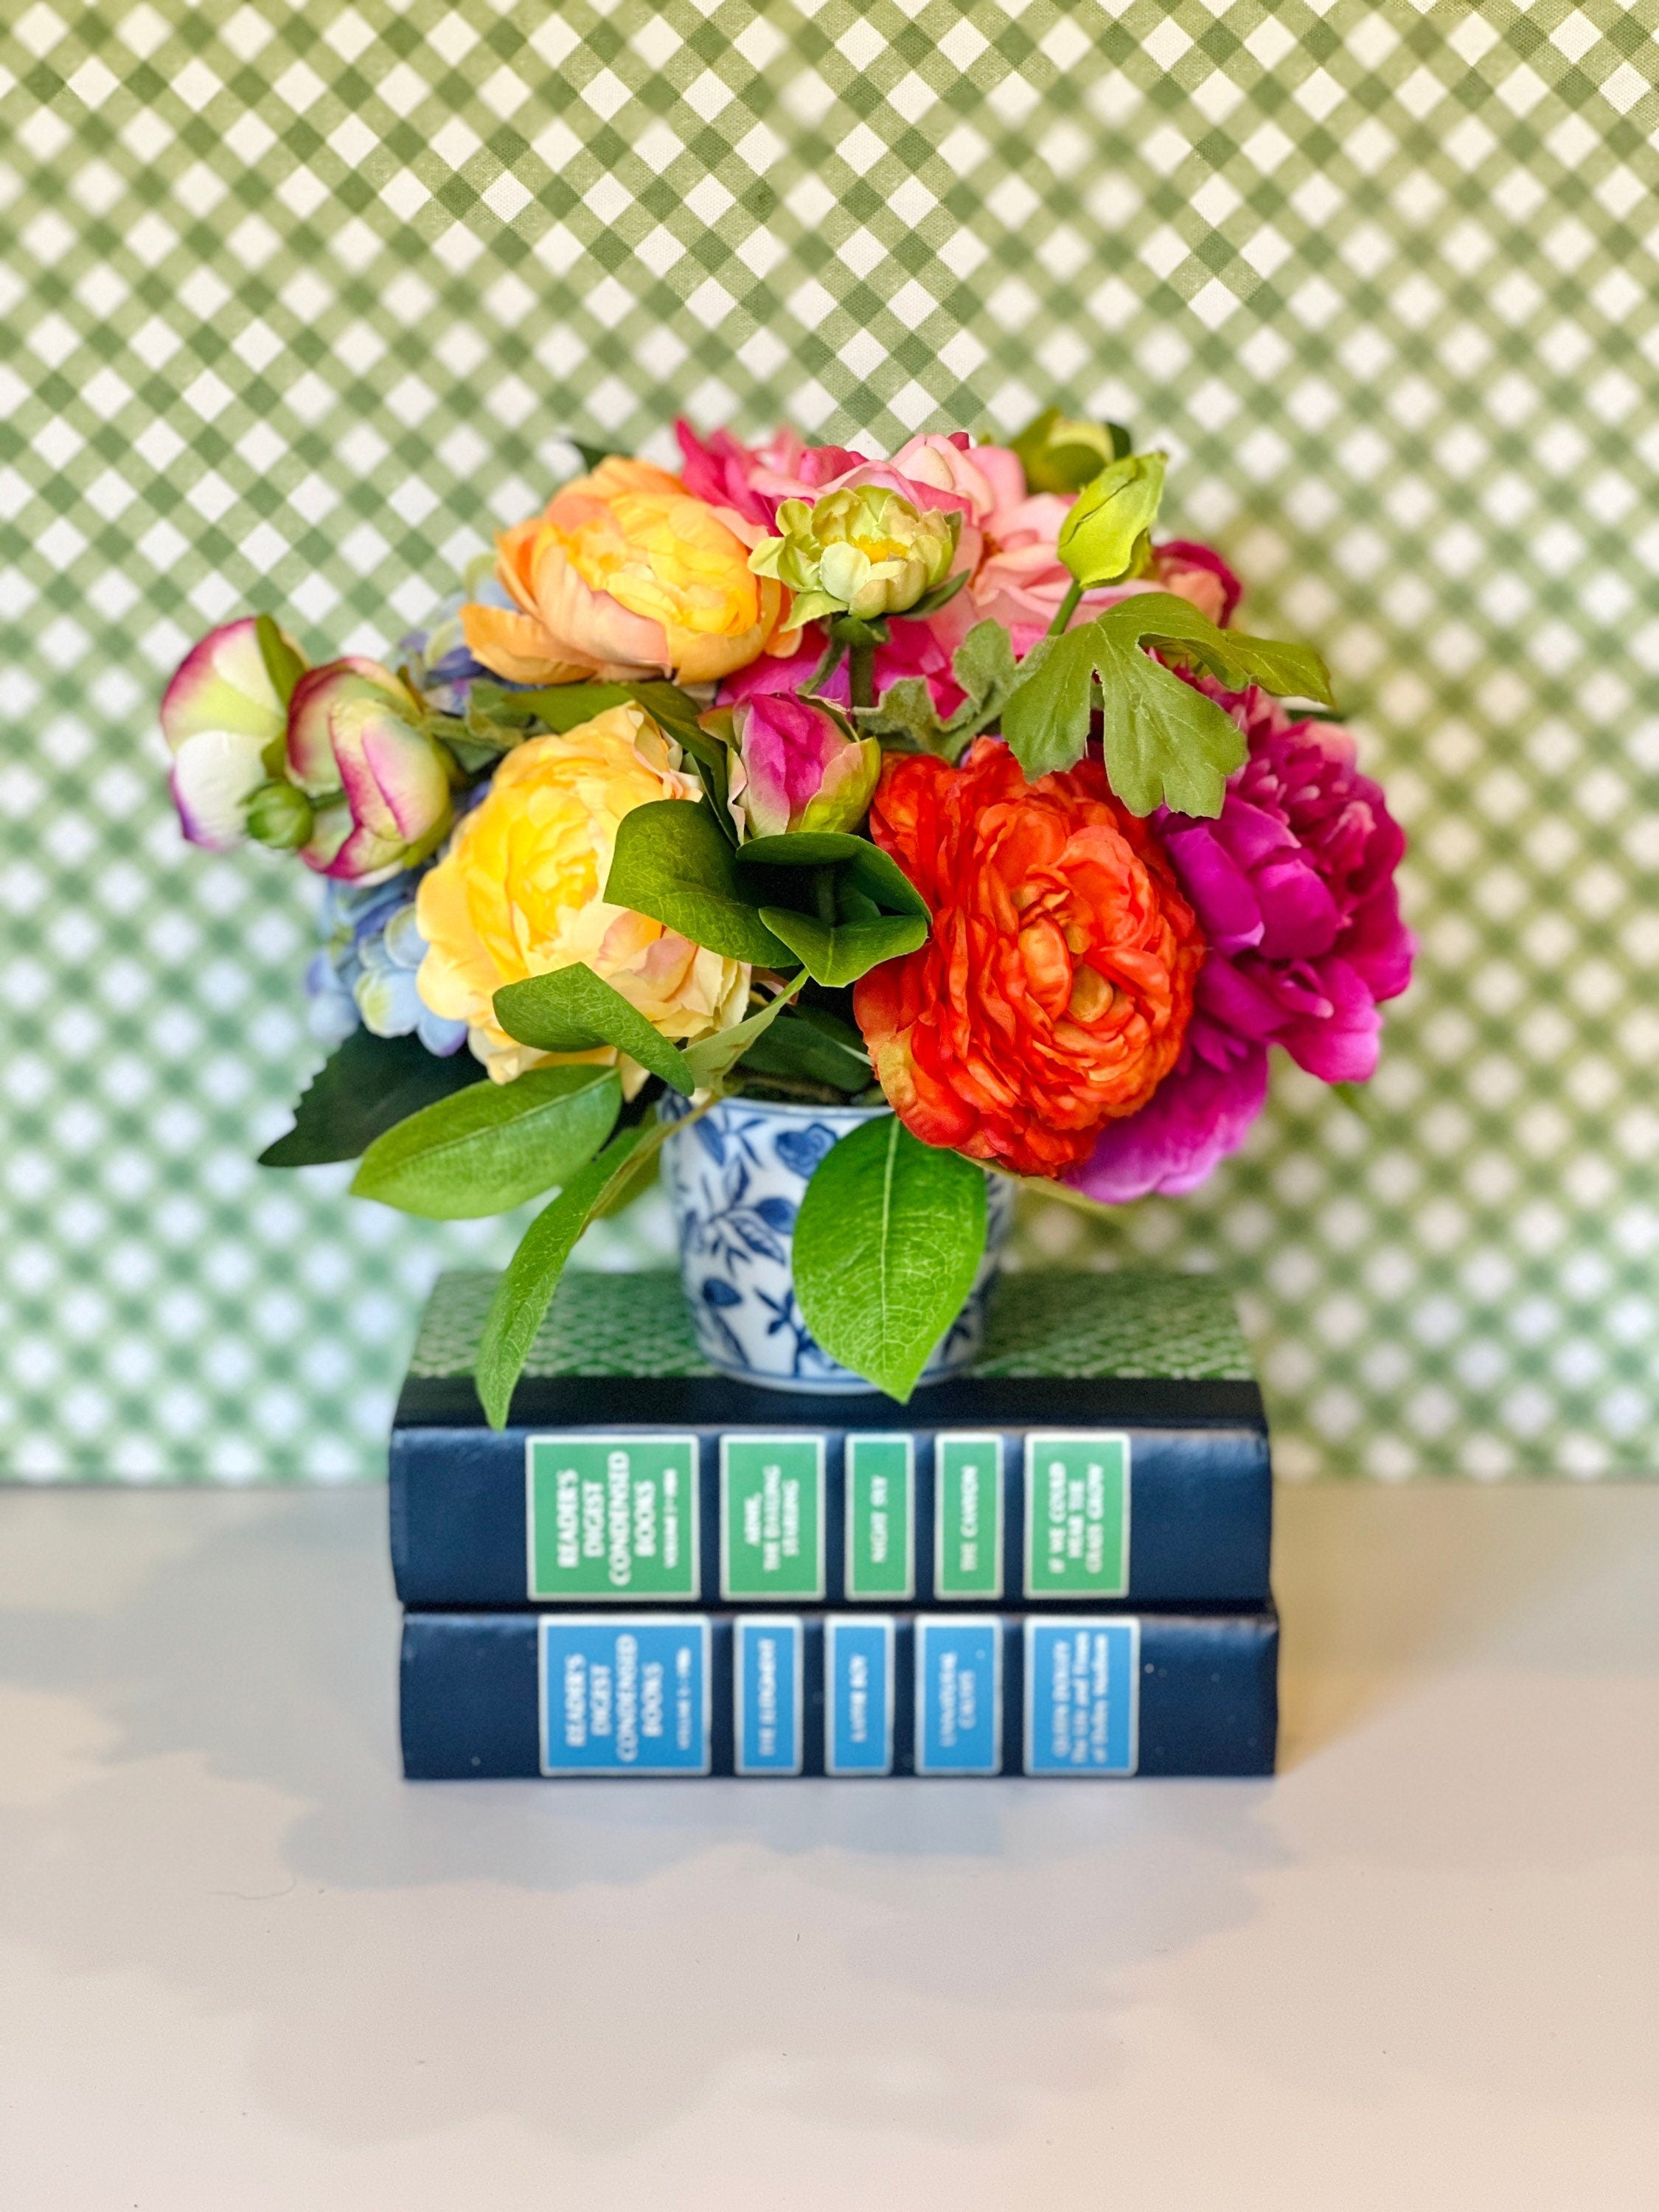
[[881, 1493], [967, 1516], [611, 1516], [1077, 1515], [772, 1516]]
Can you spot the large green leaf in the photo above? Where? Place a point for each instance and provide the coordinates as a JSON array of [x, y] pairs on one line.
[[491, 1147], [887, 1242], [840, 952], [1165, 743], [865, 867], [712, 1059], [671, 862], [368, 1085], [574, 1010], [532, 1274]]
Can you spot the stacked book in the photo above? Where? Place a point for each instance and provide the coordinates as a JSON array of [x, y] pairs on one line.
[[1053, 1563]]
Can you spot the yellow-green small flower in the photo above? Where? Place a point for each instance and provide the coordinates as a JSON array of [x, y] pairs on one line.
[[865, 551], [1106, 534]]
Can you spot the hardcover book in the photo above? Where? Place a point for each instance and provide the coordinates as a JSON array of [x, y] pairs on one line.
[[867, 1693], [1108, 1446]]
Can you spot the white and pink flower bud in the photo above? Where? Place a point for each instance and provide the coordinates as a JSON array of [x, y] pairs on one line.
[[225, 723], [377, 782]]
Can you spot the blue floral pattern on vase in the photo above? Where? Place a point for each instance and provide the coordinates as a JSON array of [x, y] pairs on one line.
[[735, 1179]]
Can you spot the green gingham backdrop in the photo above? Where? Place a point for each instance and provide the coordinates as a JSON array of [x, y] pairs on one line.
[[296, 302]]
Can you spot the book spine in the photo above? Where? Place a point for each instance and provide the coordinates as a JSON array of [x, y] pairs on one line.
[[844, 1694], [1028, 1516]]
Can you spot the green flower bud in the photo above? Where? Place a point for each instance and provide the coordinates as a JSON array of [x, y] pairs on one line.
[[864, 552], [1059, 453], [279, 815], [1106, 536]]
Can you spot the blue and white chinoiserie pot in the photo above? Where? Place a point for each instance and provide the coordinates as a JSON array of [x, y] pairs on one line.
[[735, 1179]]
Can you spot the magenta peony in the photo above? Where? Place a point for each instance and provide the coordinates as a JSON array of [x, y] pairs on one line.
[[1294, 886]]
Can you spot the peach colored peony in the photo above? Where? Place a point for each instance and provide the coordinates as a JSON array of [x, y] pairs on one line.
[[627, 574]]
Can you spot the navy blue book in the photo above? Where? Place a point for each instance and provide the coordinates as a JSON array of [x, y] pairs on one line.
[[486, 1695], [1109, 1446]]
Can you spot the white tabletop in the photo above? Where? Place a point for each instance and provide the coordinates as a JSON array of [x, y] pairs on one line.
[[246, 1969]]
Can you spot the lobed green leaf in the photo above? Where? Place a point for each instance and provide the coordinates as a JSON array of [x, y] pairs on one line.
[[1165, 743]]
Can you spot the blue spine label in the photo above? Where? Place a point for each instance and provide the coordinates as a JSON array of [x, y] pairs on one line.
[[624, 1697], [958, 1697], [1082, 1696], [859, 1696], [768, 1673]]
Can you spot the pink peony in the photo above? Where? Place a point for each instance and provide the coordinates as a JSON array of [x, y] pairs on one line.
[[1294, 884], [1008, 541]]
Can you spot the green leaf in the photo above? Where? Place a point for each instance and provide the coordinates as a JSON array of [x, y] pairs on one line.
[[574, 1010], [282, 664], [886, 1247], [523, 1295], [1164, 742], [712, 1058], [811, 1048], [367, 1086], [671, 862], [489, 1148], [592, 455], [843, 952], [868, 869], [562, 706], [983, 664]]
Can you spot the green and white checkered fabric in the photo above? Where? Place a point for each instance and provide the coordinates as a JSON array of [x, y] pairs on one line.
[[298, 300]]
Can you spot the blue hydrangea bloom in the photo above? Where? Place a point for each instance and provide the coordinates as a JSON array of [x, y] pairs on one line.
[[372, 946]]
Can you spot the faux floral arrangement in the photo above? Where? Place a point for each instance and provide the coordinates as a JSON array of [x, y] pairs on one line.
[[934, 784]]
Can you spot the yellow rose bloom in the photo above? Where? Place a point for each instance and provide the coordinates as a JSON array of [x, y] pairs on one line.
[[520, 893], [626, 573]]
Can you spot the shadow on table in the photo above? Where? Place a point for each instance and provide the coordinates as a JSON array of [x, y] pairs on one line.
[[1376, 1590], [929, 1955]]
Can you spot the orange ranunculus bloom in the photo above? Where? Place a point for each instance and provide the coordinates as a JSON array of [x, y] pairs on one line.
[[1057, 985], [627, 574]]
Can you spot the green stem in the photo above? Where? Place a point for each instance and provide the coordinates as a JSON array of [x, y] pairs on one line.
[[1068, 607], [861, 675], [824, 894]]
